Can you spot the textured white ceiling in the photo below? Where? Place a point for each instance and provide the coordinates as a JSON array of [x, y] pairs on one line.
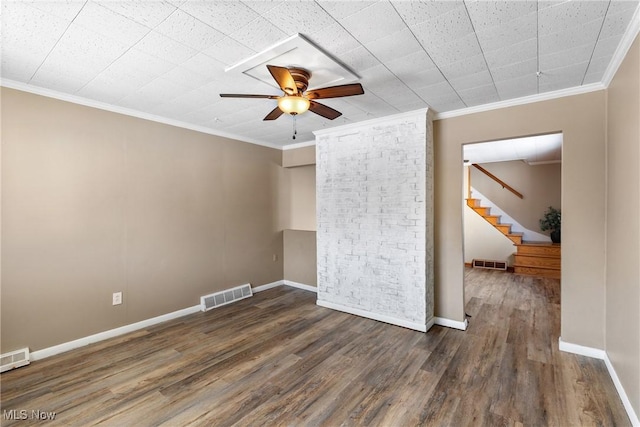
[[542, 149], [168, 58]]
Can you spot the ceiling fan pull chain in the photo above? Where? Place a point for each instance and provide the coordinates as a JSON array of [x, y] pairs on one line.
[[295, 131]]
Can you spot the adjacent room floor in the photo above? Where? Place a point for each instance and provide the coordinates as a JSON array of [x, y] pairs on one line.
[[278, 359]]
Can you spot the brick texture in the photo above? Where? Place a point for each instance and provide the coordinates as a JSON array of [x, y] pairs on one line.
[[374, 187]]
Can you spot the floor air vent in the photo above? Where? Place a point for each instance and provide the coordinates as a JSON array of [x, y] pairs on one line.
[[492, 265], [218, 299], [14, 359]]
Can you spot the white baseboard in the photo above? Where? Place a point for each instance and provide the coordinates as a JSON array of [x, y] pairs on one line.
[[267, 286], [567, 347], [101, 336], [285, 283], [375, 316], [635, 421], [602, 355], [301, 286], [442, 321]]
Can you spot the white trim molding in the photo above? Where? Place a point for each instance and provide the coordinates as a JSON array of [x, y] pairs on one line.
[[633, 417], [375, 316], [623, 47], [577, 90], [582, 350], [267, 286], [596, 353], [455, 324], [299, 145], [101, 336], [301, 286]]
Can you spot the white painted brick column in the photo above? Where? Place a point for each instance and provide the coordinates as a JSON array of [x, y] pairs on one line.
[[374, 189]]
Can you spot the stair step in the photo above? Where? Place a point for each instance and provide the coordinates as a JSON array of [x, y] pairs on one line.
[[493, 219], [481, 210], [541, 262], [473, 203], [504, 228], [544, 249], [537, 271], [516, 238]]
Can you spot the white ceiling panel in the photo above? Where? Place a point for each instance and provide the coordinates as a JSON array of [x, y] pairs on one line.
[[373, 22], [566, 58], [66, 9], [79, 56], [532, 150], [615, 24], [186, 29], [163, 47], [168, 58], [343, 9], [488, 14], [470, 81], [30, 30], [456, 51], [513, 71], [259, 34], [394, 46], [467, 66], [571, 37], [147, 13], [224, 16], [518, 87], [334, 39], [110, 24], [262, 6], [417, 12], [569, 14], [512, 53], [308, 15], [510, 33]]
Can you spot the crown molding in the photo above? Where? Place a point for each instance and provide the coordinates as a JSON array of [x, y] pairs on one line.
[[578, 90], [370, 122], [299, 145], [49, 93], [623, 47]]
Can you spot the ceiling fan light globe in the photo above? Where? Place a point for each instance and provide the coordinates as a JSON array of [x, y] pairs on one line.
[[293, 104]]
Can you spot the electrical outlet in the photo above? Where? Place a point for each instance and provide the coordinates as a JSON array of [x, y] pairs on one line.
[[117, 298]]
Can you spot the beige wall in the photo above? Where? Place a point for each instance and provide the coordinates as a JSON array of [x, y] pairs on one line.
[[300, 264], [95, 202], [582, 120], [300, 200], [302, 156], [539, 184], [623, 225], [299, 215]]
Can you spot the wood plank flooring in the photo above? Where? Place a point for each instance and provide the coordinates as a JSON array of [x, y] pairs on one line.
[[278, 359]]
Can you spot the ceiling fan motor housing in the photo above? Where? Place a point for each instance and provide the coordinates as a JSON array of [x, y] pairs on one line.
[[301, 77]]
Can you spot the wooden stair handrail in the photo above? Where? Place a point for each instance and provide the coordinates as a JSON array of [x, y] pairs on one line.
[[498, 180]]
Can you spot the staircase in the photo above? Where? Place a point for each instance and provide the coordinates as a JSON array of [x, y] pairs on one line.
[[532, 258], [538, 259], [494, 220]]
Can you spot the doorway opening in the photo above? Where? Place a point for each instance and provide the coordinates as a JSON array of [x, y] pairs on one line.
[[509, 261]]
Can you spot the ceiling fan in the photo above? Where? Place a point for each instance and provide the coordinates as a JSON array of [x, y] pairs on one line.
[[294, 81]]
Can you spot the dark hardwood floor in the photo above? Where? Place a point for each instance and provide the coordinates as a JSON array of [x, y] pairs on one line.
[[278, 359]]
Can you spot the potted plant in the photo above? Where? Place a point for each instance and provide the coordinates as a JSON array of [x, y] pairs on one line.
[[551, 221]]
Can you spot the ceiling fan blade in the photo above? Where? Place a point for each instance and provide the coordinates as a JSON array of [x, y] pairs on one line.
[[284, 79], [242, 95], [274, 114], [324, 111], [335, 91]]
